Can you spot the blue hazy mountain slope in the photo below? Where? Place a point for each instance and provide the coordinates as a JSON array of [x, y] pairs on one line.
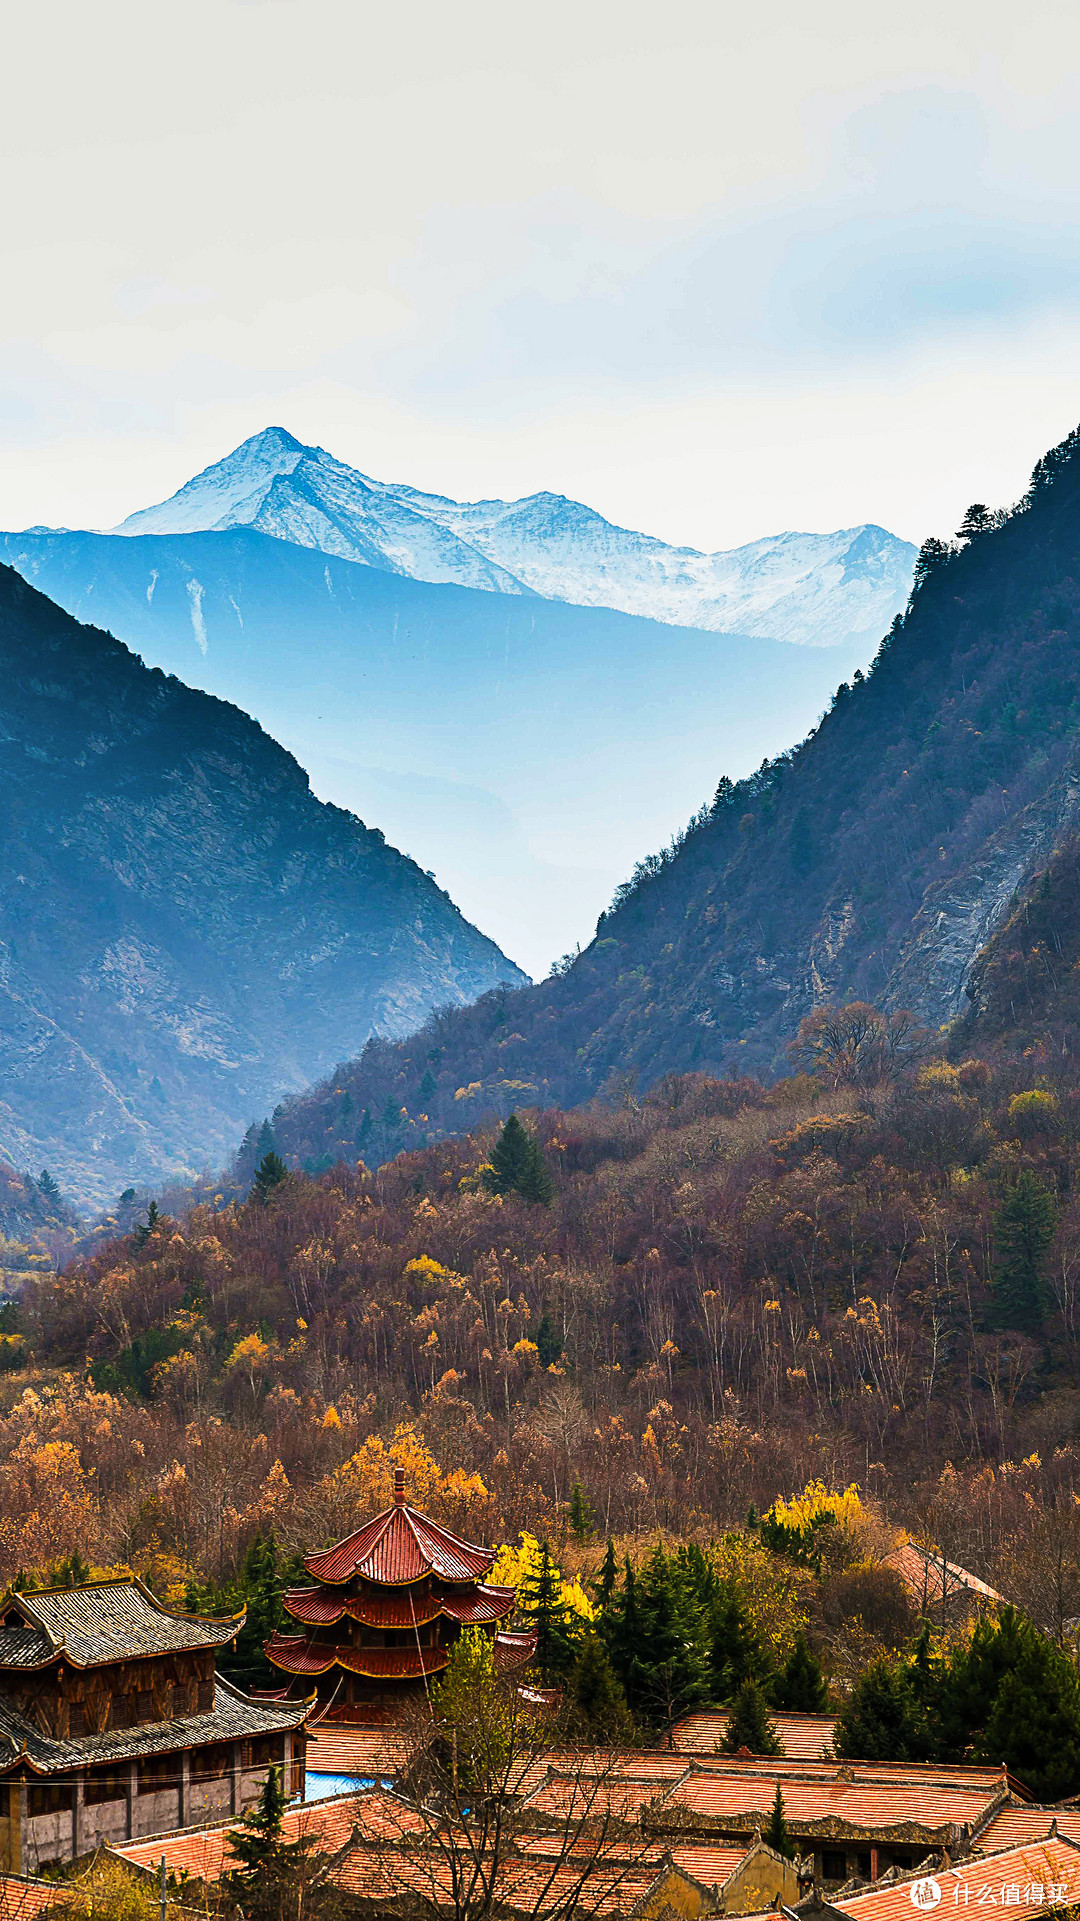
[[819, 590], [185, 931], [525, 750]]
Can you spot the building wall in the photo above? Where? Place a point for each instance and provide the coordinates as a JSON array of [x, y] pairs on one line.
[[762, 1881], [28, 1844]]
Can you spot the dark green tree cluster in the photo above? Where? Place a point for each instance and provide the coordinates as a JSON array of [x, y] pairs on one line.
[[678, 1638], [1024, 1227], [518, 1165], [275, 1879], [1009, 1696], [265, 1574]]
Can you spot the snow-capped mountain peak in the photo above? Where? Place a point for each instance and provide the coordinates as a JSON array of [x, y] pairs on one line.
[[817, 589]]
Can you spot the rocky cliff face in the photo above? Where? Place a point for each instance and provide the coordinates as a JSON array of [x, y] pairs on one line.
[[185, 931], [881, 860]]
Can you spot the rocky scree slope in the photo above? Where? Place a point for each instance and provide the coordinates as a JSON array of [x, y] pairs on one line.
[[185, 931], [812, 589], [878, 860]]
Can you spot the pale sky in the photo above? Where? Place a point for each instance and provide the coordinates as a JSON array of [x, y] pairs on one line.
[[718, 270]]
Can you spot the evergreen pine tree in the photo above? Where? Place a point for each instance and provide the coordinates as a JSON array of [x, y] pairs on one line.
[[269, 1174], [882, 1720], [1034, 1725], [391, 1114], [262, 1583], [800, 1687], [541, 1602], [426, 1090], [549, 1345], [1024, 1227], [267, 1142], [48, 1187], [580, 1512], [518, 1165], [509, 1158], [247, 1157], [278, 1880], [749, 1725], [537, 1185], [620, 1625], [735, 1652], [604, 1585], [668, 1670], [597, 1701], [256, 1839], [776, 1834]]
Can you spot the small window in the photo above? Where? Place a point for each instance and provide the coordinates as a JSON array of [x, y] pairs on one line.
[[155, 1773], [180, 1697], [864, 1866], [144, 1705], [122, 1711], [104, 1787], [48, 1797], [76, 1719], [206, 1696], [833, 1866]]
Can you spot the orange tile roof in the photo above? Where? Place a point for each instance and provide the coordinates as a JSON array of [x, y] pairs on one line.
[[714, 1866], [925, 1574], [805, 1736], [1027, 1880], [205, 1852], [336, 1748], [1013, 1826], [20, 1898], [865, 1806]]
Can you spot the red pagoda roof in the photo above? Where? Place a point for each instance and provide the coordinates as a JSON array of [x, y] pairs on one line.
[[322, 1606], [400, 1546], [298, 1654]]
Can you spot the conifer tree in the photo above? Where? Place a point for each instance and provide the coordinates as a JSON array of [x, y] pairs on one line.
[[776, 1834], [668, 1671], [596, 1699], [278, 1880], [542, 1604], [735, 1652], [267, 1142], [800, 1687], [1034, 1725], [882, 1720], [749, 1725], [518, 1165], [604, 1585], [549, 1345], [1024, 1227], [48, 1187], [269, 1174], [620, 1625], [426, 1090], [580, 1513]]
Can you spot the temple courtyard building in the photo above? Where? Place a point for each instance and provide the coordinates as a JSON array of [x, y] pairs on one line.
[[114, 1723]]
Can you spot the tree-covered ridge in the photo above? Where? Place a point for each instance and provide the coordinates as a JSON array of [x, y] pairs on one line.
[[874, 861], [184, 929], [730, 1293]]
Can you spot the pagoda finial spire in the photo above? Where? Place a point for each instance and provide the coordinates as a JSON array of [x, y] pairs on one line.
[[399, 1487]]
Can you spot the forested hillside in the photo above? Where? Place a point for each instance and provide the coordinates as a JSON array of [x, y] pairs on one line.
[[185, 931], [876, 860]]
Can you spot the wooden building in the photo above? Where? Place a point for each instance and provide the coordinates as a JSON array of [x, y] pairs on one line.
[[114, 1722], [389, 1602]]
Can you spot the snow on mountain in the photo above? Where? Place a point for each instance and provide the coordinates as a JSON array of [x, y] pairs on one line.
[[813, 589]]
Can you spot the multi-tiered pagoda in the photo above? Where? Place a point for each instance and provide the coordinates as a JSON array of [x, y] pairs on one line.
[[389, 1603]]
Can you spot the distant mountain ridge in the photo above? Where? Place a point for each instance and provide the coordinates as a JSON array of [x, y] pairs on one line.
[[810, 589], [523, 749], [185, 931], [920, 850]]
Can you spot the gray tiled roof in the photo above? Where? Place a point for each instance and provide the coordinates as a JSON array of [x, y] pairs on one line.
[[105, 1621], [233, 1718]]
